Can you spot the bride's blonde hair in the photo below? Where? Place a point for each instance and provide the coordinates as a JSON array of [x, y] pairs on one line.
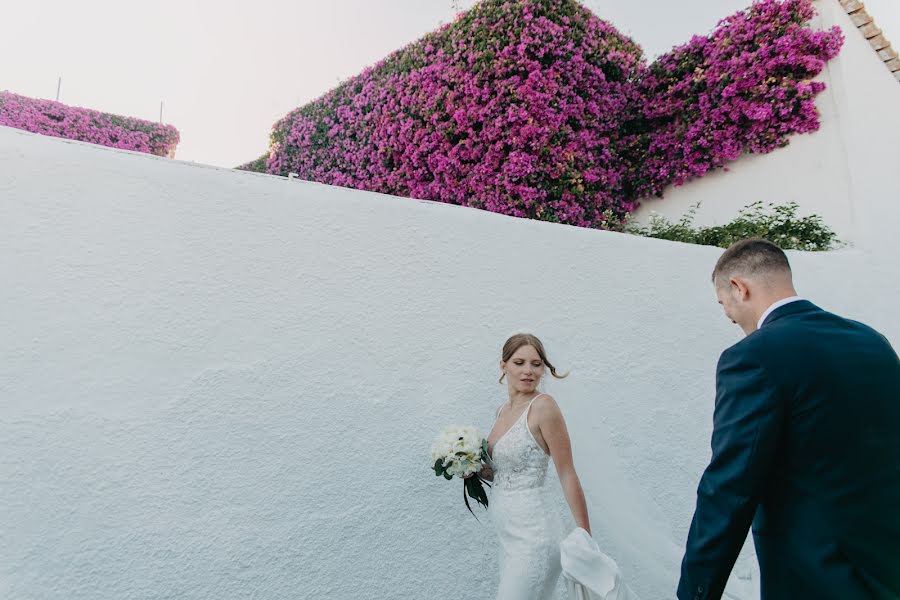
[[526, 339]]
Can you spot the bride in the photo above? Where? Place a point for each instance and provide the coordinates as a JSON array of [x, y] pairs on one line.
[[528, 431]]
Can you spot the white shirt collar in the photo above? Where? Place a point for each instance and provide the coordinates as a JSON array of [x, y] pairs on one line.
[[775, 306]]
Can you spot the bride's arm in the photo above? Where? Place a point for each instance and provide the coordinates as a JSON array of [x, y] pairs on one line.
[[556, 436]]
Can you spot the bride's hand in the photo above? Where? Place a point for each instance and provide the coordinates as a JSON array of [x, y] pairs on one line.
[[486, 473]]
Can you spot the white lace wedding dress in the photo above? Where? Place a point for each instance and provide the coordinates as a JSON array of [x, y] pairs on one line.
[[528, 525]]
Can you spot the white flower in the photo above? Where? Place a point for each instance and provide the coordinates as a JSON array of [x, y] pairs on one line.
[[459, 450]]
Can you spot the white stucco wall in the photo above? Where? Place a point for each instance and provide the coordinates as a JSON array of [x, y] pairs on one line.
[[219, 384], [829, 172]]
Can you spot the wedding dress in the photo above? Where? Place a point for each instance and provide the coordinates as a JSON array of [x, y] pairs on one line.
[[589, 573], [529, 528]]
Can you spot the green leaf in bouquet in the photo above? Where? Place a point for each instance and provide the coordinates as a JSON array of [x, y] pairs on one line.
[[439, 467], [477, 491], [447, 476], [474, 488], [466, 499]]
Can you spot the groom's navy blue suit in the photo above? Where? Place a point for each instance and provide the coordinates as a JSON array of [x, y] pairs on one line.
[[806, 446]]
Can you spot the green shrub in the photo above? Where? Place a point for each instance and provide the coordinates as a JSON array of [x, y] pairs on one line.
[[778, 224]]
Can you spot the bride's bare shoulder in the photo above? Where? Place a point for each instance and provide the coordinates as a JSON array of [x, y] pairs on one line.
[[546, 405]]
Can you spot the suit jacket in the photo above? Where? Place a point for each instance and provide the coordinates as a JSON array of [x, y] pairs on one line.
[[806, 446]]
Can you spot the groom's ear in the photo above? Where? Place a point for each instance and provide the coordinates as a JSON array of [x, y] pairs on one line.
[[741, 287]]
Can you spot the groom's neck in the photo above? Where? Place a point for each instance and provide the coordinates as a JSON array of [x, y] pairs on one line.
[[771, 297]]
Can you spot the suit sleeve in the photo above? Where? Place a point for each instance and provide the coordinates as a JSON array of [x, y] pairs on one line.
[[747, 423]]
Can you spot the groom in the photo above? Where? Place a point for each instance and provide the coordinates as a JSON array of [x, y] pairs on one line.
[[806, 446]]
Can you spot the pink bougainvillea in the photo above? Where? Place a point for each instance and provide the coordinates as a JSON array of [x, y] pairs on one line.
[[746, 87], [537, 108], [58, 120]]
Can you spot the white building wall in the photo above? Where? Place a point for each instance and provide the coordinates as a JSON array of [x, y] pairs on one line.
[[222, 384]]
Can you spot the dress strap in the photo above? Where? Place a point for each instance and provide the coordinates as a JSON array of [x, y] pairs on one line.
[[525, 412], [532, 401], [528, 409], [528, 428]]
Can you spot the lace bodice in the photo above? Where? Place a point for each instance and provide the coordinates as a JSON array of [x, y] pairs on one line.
[[519, 463]]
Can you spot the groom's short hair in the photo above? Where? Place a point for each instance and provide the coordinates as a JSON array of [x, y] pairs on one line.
[[750, 258]]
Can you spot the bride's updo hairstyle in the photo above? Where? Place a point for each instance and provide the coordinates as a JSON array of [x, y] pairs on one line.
[[519, 340]]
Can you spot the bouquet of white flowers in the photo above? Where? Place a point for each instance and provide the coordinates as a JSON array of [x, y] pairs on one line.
[[462, 452]]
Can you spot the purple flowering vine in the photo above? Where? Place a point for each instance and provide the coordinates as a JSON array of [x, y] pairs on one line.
[[58, 120], [537, 108]]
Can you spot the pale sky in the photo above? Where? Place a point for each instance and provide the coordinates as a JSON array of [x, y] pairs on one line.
[[227, 70]]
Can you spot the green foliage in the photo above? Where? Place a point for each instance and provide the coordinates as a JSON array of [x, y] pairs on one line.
[[258, 165], [778, 224]]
